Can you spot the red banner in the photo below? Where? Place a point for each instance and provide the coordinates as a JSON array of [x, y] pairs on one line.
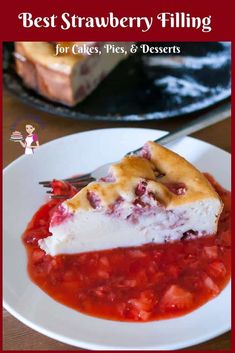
[[117, 20]]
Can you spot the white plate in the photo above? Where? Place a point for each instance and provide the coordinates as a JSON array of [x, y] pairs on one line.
[[22, 196]]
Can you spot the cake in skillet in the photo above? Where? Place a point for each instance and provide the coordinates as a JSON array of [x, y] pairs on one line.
[[65, 78], [156, 196]]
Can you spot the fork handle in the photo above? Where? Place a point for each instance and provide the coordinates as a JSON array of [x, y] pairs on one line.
[[212, 117]]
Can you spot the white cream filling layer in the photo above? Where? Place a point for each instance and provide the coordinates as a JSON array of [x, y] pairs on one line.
[[96, 230]]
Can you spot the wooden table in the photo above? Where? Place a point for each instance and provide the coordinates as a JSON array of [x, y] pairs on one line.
[[17, 336]]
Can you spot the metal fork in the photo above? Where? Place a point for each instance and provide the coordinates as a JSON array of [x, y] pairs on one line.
[[212, 117]]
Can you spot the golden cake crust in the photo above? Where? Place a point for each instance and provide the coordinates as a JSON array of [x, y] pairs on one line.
[[163, 169], [43, 53]]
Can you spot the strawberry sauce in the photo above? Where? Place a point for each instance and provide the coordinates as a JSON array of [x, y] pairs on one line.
[[144, 283]]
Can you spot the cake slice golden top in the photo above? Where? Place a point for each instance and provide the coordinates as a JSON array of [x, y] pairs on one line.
[[157, 172]]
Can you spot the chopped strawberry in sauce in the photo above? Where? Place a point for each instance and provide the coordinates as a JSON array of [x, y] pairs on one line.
[[176, 297], [216, 269], [150, 282], [60, 187], [211, 251], [210, 285]]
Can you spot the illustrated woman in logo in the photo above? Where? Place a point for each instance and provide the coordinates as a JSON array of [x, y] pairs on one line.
[[31, 141]]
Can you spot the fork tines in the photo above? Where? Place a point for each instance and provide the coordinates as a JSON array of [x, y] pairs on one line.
[[84, 179], [78, 182], [79, 178], [52, 196]]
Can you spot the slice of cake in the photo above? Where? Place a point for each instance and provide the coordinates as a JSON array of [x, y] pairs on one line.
[[155, 197], [66, 78]]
